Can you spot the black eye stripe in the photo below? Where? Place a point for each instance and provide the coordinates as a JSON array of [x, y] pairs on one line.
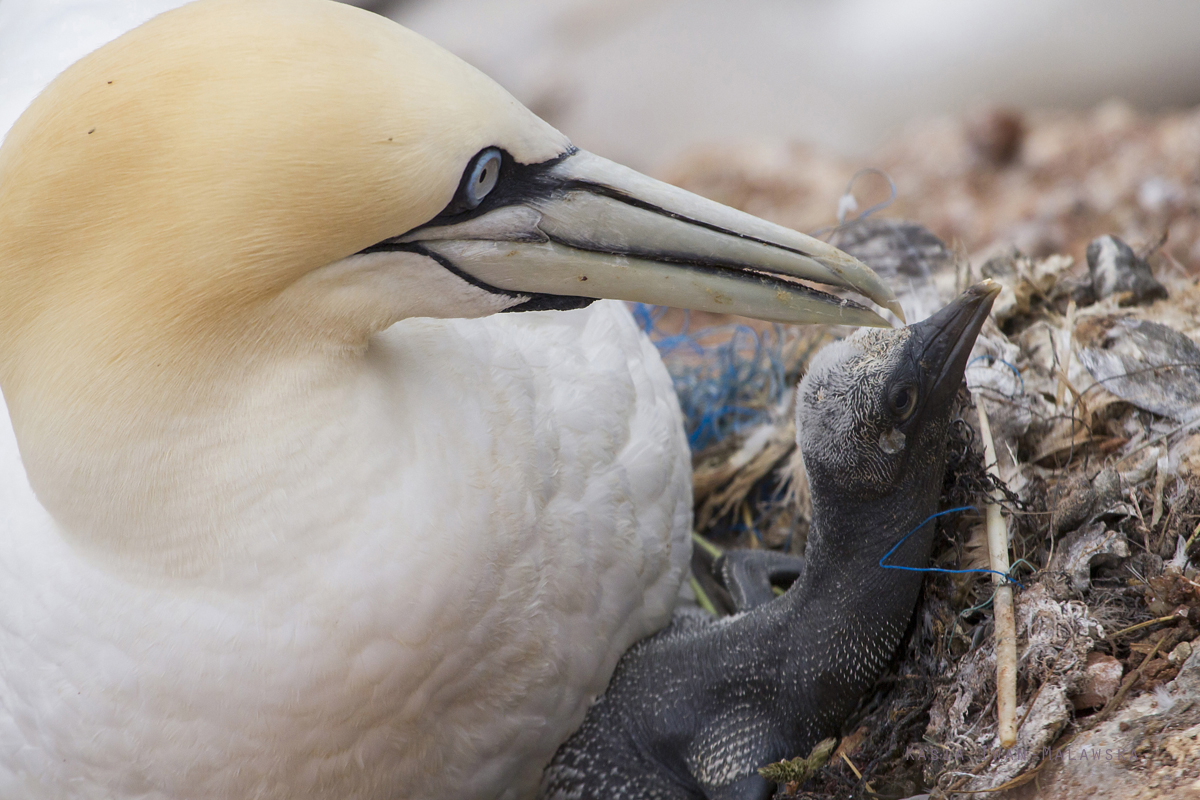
[[515, 183]]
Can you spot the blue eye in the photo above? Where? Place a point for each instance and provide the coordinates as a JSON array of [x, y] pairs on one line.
[[481, 177]]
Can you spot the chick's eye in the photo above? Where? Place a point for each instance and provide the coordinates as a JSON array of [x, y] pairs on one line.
[[904, 400], [480, 177]]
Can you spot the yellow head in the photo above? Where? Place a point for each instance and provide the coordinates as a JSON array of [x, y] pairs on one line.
[[203, 162]]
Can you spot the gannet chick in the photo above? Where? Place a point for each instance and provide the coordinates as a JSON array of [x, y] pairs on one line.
[[695, 710], [293, 514]]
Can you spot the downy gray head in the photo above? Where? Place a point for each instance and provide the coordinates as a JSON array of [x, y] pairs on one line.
[[871, 420]]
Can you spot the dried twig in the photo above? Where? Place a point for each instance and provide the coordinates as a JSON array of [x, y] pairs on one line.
[[1140, 625], [1006, 628], [1161, 466], [857, 774], [1064, 358]]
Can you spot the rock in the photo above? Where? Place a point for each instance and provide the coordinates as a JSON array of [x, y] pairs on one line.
[[1187, 682], [995, 135], [1144, 363], [1074, 498], [1116, 269], [1186, 454], [1101, 679], [1181, 653], [1079, 500], [1089, 547]]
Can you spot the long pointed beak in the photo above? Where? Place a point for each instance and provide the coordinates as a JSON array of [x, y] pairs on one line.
[[584, 227], [945, 339]]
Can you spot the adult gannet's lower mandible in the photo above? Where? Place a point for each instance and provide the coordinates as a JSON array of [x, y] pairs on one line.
[[286, 510]]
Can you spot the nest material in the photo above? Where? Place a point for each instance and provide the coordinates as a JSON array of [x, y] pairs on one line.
[[1102, 484]]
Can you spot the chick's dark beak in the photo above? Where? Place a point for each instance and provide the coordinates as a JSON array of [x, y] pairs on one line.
[[945, 339]]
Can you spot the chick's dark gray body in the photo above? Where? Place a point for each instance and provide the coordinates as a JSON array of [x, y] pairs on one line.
[[695, 710]]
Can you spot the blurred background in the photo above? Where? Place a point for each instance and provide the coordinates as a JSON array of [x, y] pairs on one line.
[[641, 81]]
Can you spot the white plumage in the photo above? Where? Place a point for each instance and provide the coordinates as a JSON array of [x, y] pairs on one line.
[[481, 481]]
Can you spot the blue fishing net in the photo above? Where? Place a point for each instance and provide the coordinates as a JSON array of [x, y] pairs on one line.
[[728, 377]]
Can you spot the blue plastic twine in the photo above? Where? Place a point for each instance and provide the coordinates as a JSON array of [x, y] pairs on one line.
[[1007, 578], [722, 388]]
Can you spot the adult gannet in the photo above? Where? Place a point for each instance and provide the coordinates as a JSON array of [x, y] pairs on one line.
[[292, 516], [695, 710]]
